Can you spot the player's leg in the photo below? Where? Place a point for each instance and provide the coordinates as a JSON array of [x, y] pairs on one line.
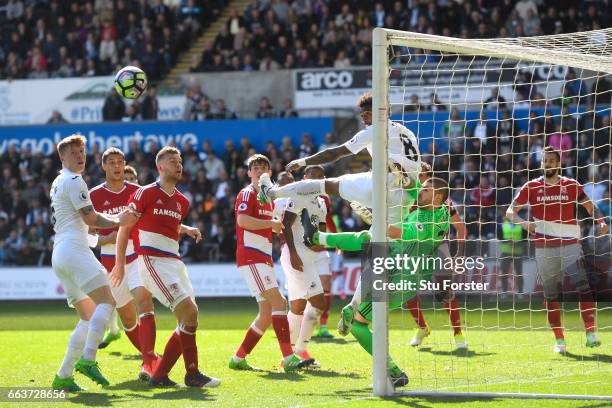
[[252, 337], [518, 275], [126, 309], [504, 267], [129, 320], [147, 330], [423, 330], [295, 318], [101, 295], [548, 264], [64, 379], [361, 331], [326, 282], [114, 331], [303, 188], [338, 273], [447, 297], [573, 267]]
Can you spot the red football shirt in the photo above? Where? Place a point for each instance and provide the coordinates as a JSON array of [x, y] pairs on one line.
[[252, 246], [106, 201], [160, 220], [553, 208]]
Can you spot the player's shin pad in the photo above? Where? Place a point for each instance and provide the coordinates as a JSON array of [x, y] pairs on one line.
[[348, 241]]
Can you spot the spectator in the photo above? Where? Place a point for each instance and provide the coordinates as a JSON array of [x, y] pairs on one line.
[[266, 110], [287, 111], [561, 141], [213, 166], [108, 49], [56, 118], [435, 104], [531, 23], [483, 132], [496, 101], [222, 111], [114, 107], [414, 105], [307, 148], [150, 104], [329, 142]]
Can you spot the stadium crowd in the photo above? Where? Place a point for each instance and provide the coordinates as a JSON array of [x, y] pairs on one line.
[[286, 34], [43, 39]]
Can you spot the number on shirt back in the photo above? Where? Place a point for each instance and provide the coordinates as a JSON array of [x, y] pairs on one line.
[[409, 150]]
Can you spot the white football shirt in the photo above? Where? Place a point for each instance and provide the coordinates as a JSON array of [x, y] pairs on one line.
[[315, 207], [403, 146], [69, 193]]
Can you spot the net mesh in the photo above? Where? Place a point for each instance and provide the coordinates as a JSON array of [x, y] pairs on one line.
[[483, 110]]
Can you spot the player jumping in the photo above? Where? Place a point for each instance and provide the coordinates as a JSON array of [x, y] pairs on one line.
[[552, 202], [162, 207], [83, 277], [404, 166], [419, 235], [254, 227], [302, 265]]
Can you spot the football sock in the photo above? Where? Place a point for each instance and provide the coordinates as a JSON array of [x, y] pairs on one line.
[[172, 352], [97, 325], [328, 302], [587, 311], [311, 317], [249, 342], [132, 334], [190, 348], [281, 328], [415, 310], [553, 310], [348, 241], [146, 334], [113, 323], [75, 348], [295, 323], [452, 308], [303, 188], [362, 333]]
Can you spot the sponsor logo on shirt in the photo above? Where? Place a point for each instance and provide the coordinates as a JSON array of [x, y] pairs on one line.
[[106, 202], [561, 197], [83, 195], [242, 207], [167, 213]]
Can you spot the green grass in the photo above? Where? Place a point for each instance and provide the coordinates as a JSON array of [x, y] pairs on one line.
[[34, 336]]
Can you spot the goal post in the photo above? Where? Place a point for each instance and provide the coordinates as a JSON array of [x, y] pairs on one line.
[[472, 68]]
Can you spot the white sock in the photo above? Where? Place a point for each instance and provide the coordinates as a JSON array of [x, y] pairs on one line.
[[356, 300], [113, 324], [75, 349], [295, 323], [323, 238], [311, 318], [303, 188], [97, 323]]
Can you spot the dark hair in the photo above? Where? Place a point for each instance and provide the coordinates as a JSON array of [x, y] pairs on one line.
[[258, 159], [550, 149], [314, 167], [365, 101], [440, 186], [110, 151]]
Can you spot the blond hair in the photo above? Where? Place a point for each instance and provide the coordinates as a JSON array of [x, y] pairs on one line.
[[166, 150], [72, 140]]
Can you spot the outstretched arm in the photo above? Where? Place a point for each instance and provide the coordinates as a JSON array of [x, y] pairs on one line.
[[324, 156]]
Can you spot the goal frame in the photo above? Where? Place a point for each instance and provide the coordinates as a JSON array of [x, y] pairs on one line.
[[382, 40]]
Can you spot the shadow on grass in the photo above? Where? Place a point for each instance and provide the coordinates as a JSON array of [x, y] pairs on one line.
[[457, 353], [356, 393], [134, 385], [108, 398], [125, 356], [334, 340], [602, 358], [278, 376], [316, 372], [418, 402]]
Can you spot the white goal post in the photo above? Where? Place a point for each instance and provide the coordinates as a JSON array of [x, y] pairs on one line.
[[590, 51]]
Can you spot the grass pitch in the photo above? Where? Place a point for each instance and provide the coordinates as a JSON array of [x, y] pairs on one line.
[[510, 351]]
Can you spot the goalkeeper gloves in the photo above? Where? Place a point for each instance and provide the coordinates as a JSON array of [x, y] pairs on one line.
[[364, 213]]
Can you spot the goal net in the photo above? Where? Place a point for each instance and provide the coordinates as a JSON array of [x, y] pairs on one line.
[[483, 111]]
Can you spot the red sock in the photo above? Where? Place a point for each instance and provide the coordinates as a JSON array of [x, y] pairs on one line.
[[146, 334], [281, 328], [587, 311], [553, 310], [190, 348], [328, 301], [249, 342], [415, 310], [452, 308], [133, 335], [172, 352]]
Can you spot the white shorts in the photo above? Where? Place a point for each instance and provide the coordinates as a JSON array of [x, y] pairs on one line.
[[77, 269], [324, 263], [337, 259], [556, 263], [131, 280], [358, 187], [166, 279], [259, 278], [306, 284]]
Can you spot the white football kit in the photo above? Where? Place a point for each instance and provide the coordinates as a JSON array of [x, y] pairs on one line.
[[303, 284], [403, 151], [73, 262]]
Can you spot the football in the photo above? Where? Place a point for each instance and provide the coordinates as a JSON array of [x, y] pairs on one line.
[[131, 82]]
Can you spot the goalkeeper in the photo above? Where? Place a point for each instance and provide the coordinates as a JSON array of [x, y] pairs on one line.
[[418, 236]]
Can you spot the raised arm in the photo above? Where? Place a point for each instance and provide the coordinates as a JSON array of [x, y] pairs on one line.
[[324, 156]]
